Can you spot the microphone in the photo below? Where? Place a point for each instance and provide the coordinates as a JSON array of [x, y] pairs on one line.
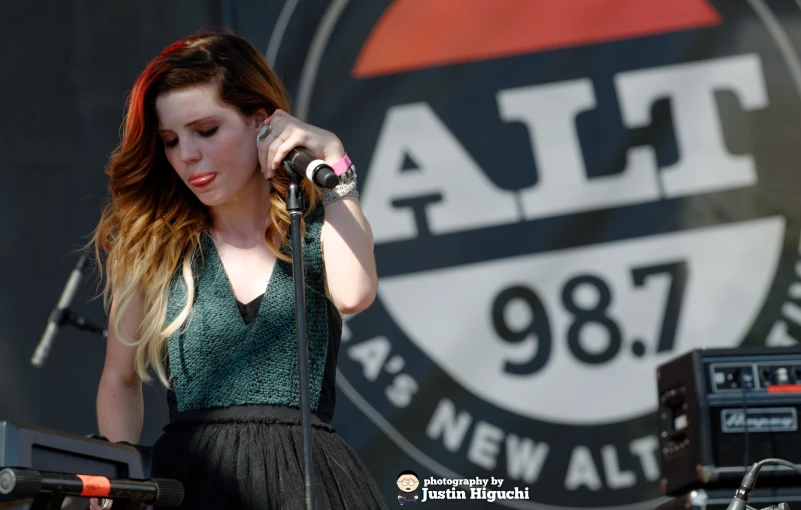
[[60, 314], [305, 164], [743, 494]]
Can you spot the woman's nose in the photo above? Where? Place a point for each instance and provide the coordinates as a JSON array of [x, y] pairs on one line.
[[189, 152]]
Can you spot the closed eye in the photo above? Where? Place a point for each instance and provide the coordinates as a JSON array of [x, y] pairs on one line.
[[204, 134]]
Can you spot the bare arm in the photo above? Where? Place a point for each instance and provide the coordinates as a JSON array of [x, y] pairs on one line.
[[120, 406], [348, 255], [346, 237]]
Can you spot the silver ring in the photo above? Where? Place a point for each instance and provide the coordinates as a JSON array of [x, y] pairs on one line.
[[266, 130], [105, 502]]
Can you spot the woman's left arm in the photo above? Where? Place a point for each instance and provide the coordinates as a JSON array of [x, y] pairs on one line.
[[346, 236], [348, 256]]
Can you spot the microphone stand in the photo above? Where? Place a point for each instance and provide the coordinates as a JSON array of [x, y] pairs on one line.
[[294, 206], [67, 316], [62, 315]]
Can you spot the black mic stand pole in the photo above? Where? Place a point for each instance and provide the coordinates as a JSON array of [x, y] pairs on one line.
[[294, 206]]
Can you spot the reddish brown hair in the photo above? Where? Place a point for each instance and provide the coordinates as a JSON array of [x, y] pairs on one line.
[[153, 222]]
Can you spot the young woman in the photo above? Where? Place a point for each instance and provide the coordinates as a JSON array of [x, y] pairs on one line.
[[199, 283]]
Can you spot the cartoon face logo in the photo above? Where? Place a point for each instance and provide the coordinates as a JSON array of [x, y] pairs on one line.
[[408, 481]]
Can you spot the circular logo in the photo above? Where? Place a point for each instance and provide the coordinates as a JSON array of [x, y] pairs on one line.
[[562, 199]]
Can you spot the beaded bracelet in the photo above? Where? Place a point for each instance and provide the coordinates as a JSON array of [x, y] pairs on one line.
[[345, 188]]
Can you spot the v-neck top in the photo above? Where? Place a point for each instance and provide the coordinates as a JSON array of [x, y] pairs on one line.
[[221, 357], [250, 311], [328, 395]]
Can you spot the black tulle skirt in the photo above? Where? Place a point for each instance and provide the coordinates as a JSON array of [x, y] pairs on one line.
[[251, 458]]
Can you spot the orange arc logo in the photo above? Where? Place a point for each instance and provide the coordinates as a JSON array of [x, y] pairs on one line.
[[417, 34]]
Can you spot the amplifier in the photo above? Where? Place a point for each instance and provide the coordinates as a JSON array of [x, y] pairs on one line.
[[51, 450], [721, 410]]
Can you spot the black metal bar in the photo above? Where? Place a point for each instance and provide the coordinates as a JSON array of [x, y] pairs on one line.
[[45, 487], [294, 205]]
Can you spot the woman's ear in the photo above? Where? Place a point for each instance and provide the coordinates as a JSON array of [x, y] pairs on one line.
[[259, 117]]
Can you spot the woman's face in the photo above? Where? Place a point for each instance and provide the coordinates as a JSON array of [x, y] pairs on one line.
[[212, 147]]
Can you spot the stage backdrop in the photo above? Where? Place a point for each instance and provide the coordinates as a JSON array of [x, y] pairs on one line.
[[564, 194]]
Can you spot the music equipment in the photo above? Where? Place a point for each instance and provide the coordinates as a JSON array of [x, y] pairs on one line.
[[721, 410], [305, 164], [49, 489], [719, 499], [49, 450]]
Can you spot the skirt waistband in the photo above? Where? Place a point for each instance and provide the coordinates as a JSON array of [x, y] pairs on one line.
[[253, 412]]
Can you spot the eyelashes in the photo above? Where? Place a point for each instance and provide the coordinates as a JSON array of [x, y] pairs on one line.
[[204, 134]]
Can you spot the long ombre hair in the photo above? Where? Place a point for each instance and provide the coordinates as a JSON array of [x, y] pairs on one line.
[[153, 222]]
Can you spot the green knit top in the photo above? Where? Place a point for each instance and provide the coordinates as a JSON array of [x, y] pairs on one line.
[[216, 360]]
